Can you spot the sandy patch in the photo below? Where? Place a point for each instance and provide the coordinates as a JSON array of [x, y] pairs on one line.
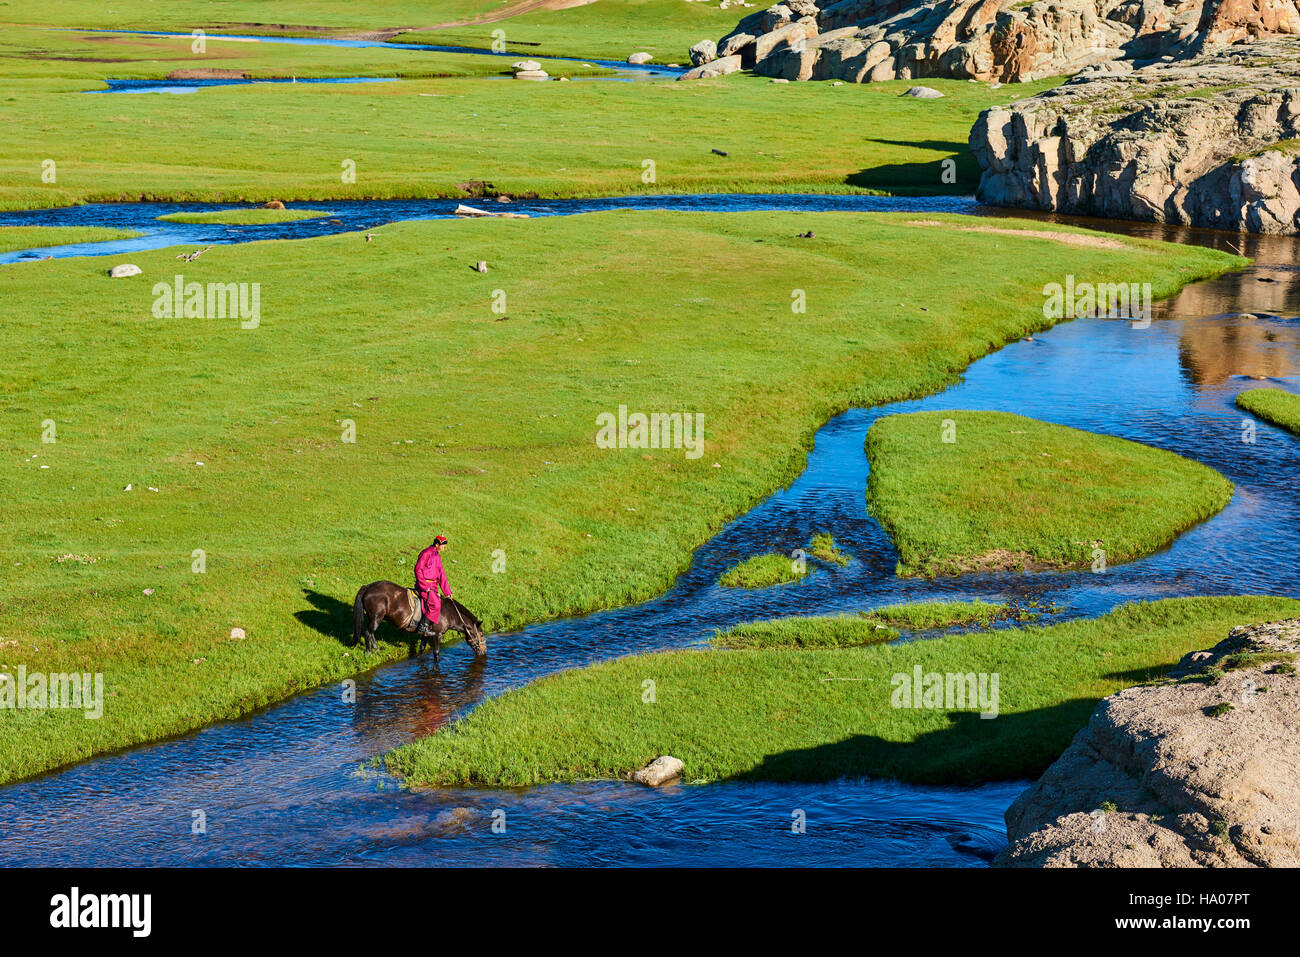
[[1070, 239]]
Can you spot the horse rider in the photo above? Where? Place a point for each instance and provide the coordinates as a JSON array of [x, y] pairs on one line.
[[430, 578]]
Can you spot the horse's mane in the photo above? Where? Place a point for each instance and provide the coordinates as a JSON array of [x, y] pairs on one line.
[[463, 613]]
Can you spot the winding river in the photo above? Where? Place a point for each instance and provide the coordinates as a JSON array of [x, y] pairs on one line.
[[290, 785]]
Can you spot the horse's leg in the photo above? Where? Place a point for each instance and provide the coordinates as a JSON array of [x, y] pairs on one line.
[[437, 646], [373, 618]]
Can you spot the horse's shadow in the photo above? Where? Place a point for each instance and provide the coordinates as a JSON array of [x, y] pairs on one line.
[[333, 619]]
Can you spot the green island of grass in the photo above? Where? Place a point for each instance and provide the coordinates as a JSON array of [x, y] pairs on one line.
[[963, 491], [820, 714], [763, 571], [823, 547], [13, 238], [865, 628], [773, 568], [1272, 405], [254, 438], [245, 217]]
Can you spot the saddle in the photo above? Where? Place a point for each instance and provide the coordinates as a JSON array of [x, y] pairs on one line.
[[417, 610]]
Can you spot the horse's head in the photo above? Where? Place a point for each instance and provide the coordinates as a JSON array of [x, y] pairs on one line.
[[474, 635]]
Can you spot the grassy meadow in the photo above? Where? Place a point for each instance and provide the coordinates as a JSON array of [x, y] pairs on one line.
[[1272, 405], [1013, 492], [204, 477], [824, 713], [421, 137], [864, 628]]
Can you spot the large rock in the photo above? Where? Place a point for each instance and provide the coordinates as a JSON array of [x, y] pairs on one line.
[[727, 64], [1165, 775], [662, 770], [1205, 141], [703, 52], [122, 270], [1002, 40]]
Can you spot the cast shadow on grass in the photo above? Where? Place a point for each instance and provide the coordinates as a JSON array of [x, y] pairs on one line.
[[333, 619], [920, 177], [973, 750]]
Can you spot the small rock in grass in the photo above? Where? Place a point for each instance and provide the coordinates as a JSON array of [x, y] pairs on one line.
[[238, 634], [148, 591], [640, 58], [661, 770], [481, 265], [779, 80], [923, 93], [124, 270], [720, 152]]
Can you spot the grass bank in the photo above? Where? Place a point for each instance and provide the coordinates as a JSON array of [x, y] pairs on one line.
[[963, 491], [1272, 405], [36, 237], [206, 476], [813, 715]]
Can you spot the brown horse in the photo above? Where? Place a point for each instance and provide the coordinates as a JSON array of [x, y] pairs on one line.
[[388, 600]]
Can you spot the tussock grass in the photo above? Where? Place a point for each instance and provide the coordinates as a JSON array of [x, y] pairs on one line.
[[244, 217], [819, 714], [823, 547], [1272, 405], [866, 628], [1013, 492], [763, 571]]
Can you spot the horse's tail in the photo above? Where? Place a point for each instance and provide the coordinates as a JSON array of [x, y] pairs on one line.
[[359, 614]]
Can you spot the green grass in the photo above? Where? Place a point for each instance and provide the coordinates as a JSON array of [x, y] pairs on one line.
[[13, 238], [823, 547], [32, 59], [865, 628], [815, 715], [1272, 405], [422, 137], [606, 29], [245, 217], [763, 571], [467, 424], [829, 631], [1012, 492]]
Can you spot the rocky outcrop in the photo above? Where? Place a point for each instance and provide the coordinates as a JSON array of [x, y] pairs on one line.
[[1002, 40], [1209, 141], [1202, 770]]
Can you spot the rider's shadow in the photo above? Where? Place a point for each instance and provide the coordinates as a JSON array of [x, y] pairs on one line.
[[333, 619]]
